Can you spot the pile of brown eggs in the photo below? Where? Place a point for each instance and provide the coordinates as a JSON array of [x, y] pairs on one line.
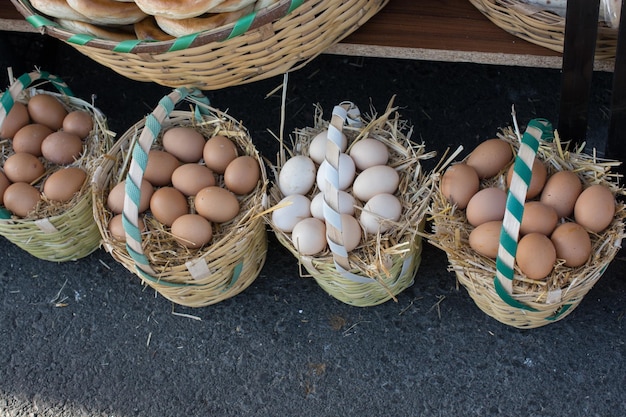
[[188, 185], [560, 211], [45, 139]]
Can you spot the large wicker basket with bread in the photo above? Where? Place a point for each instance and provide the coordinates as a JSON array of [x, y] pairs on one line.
[[225, 43]]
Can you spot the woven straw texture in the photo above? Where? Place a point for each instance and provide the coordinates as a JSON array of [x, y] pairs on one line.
[[191, 277], [383, 264], [539, 26], [58, 231], [544, 301], [281, 38]]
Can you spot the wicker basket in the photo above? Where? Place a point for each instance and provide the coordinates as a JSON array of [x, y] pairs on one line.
[[280, 38], [56, 231], [497, 286], [383, 264], [541, 27], [189, 277]]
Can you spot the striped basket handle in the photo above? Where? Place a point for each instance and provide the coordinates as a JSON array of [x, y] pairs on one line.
[[537, 130], [138, 163]]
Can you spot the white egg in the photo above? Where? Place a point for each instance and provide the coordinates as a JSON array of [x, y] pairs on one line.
[[290, 211], [369, 152], [297, 176], [309, 236], [379, 213], [346, 204], [347, 172], [317, 147], [379, 179]]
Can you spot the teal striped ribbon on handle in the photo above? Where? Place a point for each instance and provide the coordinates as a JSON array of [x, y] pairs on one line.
[[536, 131]]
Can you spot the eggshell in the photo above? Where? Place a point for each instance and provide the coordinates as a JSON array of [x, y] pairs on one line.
[[379, 179], [561, 191], [116, 227], [485, 239], [78, 122], [242, 174], [160, 167], [47, 110], [490, 157], [537, 180], [351, 234], [191, 178], [539, 218], [216, 204], [30, 137], [192, 231], [572, 243], [61, 148], [23, 167], [535, 255], [380, 212], [309, 236], [185, 143], [346, 174], [317, 147], [291, 209], [218, 152], [346, 204], [459, 183], [486, 205], [16, 119], [595, 208], [297, 175], [167, 204], [4, 184], [115, 199], [64, 183], [21, 198], [369, 152]]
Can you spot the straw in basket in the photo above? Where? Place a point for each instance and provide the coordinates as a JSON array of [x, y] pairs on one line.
[[190, 277], [498, 286], [283, 36], [384, 263], [56, 231]]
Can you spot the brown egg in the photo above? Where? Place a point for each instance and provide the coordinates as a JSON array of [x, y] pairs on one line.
[[485, 239], [561, 191], [242, 175], [30, 137], [192, 231], [537, 180], [459, 184], [61, 147], [490, 157], [535, 255], [572, 243], [23, 167], [191, 178], [16, 119], [47, 110], [216, 204], [64, 183], [167, 204], [21, 198], [115, 199], [116, 227], [4, 184], [78, 122], [595, 208], [185, 143], [218, 152], [160, 166], [486, 205], [538, 218]]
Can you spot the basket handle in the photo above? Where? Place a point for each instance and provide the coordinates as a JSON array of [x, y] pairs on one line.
[[537, 130], [151, 130]]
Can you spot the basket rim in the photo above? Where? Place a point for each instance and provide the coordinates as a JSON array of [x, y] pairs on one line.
[[241, 27]]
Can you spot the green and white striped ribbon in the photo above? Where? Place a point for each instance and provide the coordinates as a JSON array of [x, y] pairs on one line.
[[536, 131]]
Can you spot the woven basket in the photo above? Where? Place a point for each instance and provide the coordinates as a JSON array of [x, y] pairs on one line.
[[189, 277], [56, 231], [383, 264], [280, 38], [541, 27], [500, 289]]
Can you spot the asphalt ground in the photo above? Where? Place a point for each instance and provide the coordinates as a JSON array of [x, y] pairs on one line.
[[284, 347]]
